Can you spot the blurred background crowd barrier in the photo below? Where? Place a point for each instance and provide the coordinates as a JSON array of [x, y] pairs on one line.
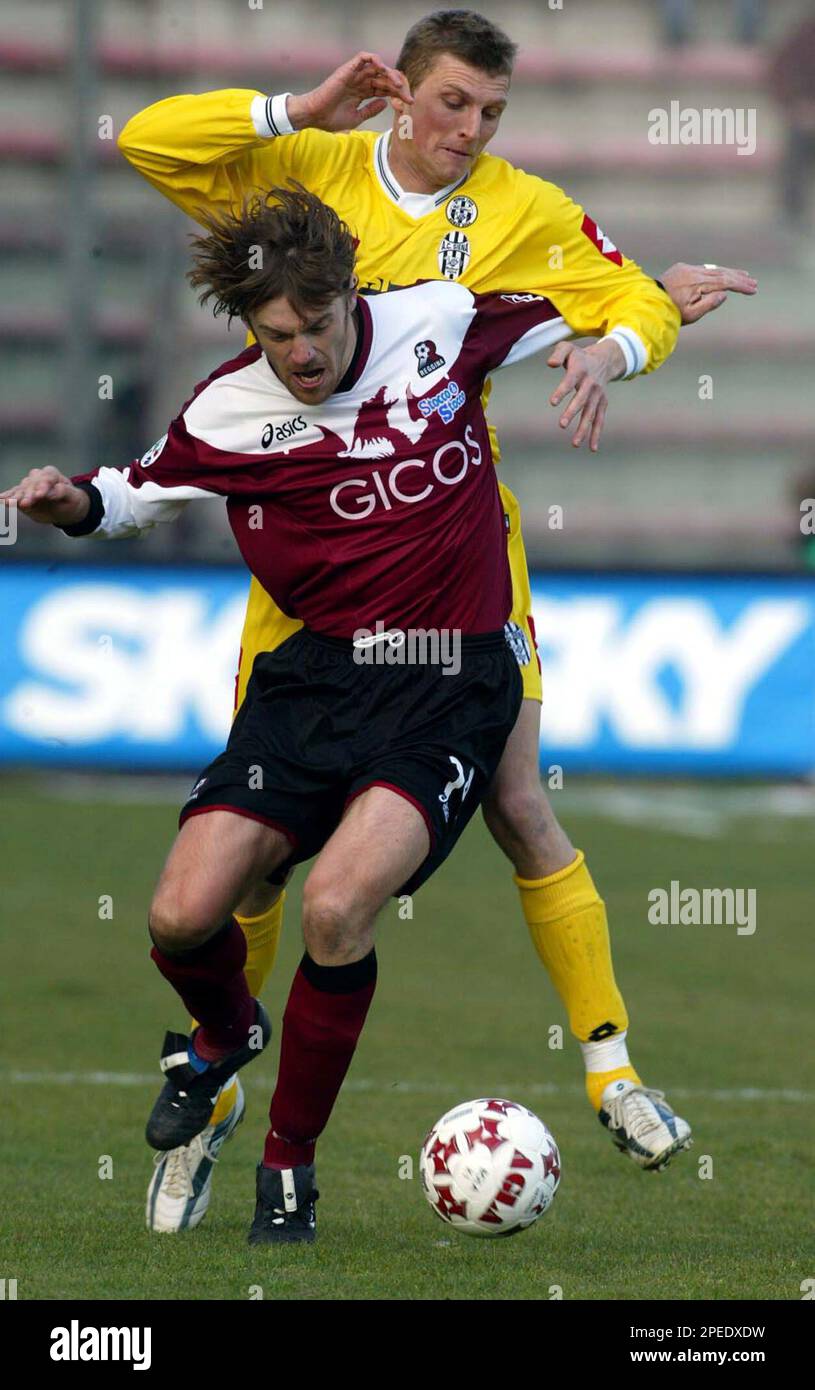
[[704, 660]]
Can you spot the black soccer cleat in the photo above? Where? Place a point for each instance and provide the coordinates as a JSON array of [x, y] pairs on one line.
[[284, 1213], [188, 1096]]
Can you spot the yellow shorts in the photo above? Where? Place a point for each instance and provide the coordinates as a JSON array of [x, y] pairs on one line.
[[266, 626]]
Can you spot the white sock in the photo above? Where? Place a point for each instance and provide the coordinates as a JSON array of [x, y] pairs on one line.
[[607, 1055]]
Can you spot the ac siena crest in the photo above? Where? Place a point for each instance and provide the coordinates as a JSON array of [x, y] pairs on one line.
[[454, 255], [461, 211]]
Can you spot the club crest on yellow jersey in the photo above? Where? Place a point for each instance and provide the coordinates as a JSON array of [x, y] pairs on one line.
[[454, 255], [461, 211]]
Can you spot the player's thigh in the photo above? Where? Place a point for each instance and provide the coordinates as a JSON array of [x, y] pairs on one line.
[[380, 842], [519, 768], [516, 807], [217, 856]]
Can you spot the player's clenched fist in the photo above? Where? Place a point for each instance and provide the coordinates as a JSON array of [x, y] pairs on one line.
[[337, 104], [588, 372], [47, 495]]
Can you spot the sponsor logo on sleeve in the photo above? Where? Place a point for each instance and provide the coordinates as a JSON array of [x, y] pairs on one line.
[[603, 243], [153, 453]]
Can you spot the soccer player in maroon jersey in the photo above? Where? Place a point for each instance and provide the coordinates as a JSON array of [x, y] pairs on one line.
[[427, 200], [351, 447]]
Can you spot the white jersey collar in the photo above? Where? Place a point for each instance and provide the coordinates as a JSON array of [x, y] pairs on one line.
[[414, 204]]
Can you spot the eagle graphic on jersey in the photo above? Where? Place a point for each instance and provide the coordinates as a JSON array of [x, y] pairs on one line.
[[375, 437]]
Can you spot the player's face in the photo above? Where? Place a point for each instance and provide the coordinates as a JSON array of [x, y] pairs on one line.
[[456, 112], [310, 355]]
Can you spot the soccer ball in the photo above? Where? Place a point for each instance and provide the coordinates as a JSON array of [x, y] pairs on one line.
[[490, 1167]]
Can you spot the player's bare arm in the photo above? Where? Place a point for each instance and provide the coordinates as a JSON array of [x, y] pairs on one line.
[[47, 496], [354, 93]]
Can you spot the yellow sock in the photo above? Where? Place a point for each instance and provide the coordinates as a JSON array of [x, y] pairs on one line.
[[567, 922], [596, 1082], [262, 940]]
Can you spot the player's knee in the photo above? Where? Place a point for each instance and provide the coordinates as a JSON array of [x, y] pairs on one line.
[[329, 929], [523, 824], [521, 811], [179, 924]]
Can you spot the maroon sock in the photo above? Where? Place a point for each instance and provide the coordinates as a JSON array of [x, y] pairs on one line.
[[323, 1020], [212, 984]]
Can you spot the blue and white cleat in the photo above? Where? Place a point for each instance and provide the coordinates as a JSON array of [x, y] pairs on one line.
[[181, 1186], [643, 1125]]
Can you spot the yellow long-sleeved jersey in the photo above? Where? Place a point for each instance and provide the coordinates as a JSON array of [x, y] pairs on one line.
[[498, 229]]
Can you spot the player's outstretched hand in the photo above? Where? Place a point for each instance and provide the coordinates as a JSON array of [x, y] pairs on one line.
[[588, 371], [698, 289], [354, 93], [46, 495]]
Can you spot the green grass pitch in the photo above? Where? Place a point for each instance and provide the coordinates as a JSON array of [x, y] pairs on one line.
[[722, 1022]]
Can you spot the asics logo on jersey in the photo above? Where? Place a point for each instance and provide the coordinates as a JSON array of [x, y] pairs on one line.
[[356, 498], [275, 434]]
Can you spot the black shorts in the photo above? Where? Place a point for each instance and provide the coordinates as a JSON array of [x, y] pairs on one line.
[[317, 728]]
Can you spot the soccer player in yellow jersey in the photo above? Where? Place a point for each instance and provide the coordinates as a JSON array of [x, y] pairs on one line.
[[425, 201]]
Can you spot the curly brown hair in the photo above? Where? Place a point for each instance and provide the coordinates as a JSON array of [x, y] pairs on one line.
[[283, 242]]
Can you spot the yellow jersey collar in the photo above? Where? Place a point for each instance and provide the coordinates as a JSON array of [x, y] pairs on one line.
[[414, 204]]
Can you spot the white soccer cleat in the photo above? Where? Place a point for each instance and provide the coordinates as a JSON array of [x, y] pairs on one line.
[[642, 1124], [181, 1186]]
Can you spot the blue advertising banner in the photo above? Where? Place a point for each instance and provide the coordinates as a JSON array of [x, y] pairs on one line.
[[677, 675], [659, 674], [118, 667]]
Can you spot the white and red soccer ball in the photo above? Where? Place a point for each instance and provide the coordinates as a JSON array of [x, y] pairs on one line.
[[490, 1167]]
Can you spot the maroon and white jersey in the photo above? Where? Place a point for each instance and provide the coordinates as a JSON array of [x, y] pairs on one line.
[[381, 504]]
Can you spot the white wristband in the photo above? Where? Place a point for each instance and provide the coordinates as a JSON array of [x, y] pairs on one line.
[[269, 116], [633, 349]]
